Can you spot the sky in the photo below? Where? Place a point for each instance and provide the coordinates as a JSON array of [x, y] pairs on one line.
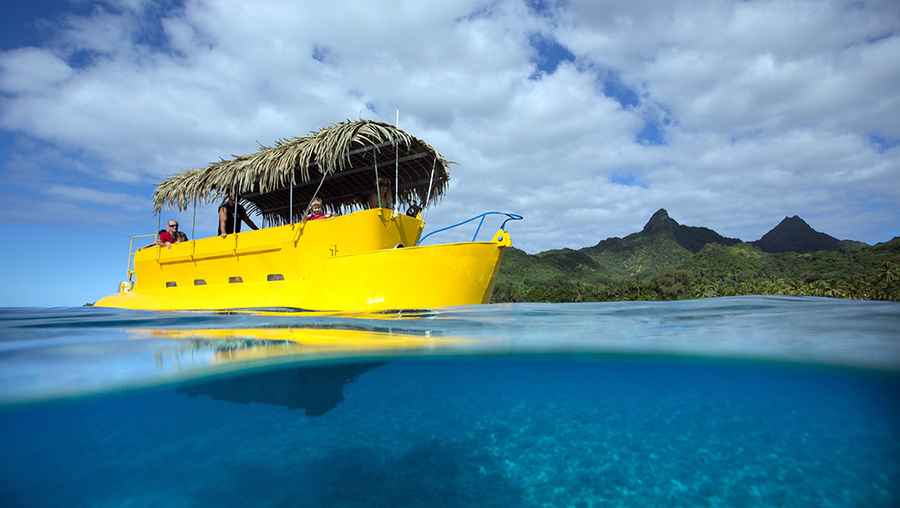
[[583, 116]]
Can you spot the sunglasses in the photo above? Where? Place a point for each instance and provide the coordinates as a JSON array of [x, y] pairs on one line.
[[173, 225]]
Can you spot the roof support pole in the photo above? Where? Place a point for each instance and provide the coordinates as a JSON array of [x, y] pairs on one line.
[[377, 183], [235, 221], [430, 184], [194, 221], [396, 176], [291, 200], [158, 227], [306, 210], [397, 165]]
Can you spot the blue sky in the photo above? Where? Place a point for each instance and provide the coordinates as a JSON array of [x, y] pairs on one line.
[[584, 116]]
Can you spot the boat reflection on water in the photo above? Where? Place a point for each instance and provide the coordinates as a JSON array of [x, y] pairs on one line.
[[316, 389], [229, 345], [314, 386]]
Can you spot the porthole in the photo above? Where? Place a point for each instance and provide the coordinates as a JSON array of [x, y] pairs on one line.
[[171, 284], [235, 280], [274, 276], [199, 282]]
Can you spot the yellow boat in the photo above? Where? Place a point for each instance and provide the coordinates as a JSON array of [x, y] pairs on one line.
[[362, 259]]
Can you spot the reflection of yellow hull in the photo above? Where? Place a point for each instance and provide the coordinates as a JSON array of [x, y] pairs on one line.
[[269, 343], [343, 264]]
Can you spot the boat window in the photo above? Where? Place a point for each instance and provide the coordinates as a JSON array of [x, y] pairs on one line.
[[235, 280], [171, 284], [274, 276], [199, 282]]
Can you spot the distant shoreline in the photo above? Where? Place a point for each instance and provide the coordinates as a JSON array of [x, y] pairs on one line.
[[669, 261]]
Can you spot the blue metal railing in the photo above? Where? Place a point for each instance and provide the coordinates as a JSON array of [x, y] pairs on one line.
[[509, 217]]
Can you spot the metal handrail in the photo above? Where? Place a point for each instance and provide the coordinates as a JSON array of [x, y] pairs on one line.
[[509, 217], [131, 251]]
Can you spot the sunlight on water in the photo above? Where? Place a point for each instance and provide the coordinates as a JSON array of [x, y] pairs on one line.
[[93, 349]]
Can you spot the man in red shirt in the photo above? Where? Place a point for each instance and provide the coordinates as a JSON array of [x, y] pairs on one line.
[[168, 236]]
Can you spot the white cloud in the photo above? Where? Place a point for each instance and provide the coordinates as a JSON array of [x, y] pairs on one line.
[[31, 71], [772, 103], [85, 194]]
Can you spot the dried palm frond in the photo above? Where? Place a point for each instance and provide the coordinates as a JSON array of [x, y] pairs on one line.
[[346, 154]]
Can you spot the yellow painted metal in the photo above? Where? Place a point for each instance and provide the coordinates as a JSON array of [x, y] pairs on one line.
[[366, 261]]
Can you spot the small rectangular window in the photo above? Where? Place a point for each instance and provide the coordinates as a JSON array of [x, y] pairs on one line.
[[199, 282], [274, 276], [235, 280], [171, 284]]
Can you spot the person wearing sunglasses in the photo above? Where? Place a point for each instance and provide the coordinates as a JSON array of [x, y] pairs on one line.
[[170, 235]]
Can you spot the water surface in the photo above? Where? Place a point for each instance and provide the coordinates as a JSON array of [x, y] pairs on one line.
[[721, 402]]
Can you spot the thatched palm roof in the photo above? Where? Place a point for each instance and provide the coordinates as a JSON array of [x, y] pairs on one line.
[[345, 153]]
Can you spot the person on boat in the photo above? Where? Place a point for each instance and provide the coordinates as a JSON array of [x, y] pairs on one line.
[[387, 195], [180, 236], [227, 222], [170, 235], [316, 210]]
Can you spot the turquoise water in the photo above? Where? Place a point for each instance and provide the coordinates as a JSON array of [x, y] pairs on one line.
[[721, 402]]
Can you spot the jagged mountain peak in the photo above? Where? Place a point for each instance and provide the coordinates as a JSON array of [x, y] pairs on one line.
[[661, 226], [660, 221], [795, 220]]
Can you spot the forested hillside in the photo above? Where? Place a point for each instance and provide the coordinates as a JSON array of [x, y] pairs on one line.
[[667, 260]]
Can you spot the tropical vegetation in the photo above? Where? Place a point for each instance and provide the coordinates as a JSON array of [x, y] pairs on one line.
[[668, 261]]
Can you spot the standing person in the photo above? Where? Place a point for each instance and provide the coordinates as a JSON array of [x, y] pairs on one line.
[[387, 196], [226, 217]]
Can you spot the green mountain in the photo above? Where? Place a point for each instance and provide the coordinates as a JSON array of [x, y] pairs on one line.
[[793, 234], [667, 260]]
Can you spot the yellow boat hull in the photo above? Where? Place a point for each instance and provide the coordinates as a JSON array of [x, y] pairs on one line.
[[361, 262]]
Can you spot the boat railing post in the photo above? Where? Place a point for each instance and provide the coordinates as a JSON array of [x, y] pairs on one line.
[[128, 268], [291, 201], [478, 229]]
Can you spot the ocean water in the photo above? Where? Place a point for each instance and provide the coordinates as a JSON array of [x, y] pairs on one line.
[[722, 402]]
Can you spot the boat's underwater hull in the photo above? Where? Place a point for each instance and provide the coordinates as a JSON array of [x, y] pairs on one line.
[[344, 264]]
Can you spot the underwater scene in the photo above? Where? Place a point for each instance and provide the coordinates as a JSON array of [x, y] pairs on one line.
[[733, 402]]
